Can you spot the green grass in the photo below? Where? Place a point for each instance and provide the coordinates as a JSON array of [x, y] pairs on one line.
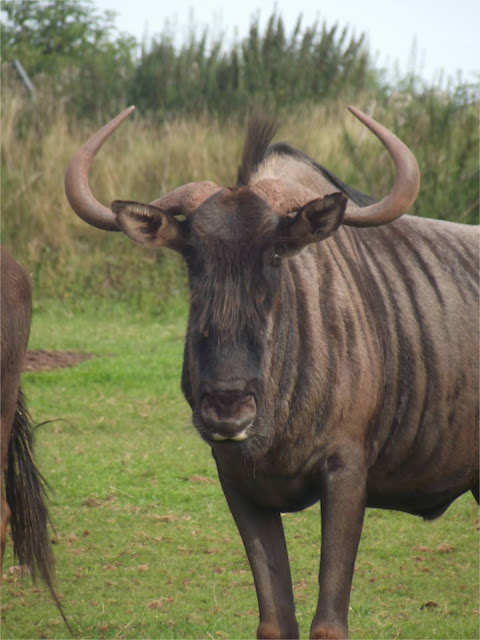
[[145, 545]]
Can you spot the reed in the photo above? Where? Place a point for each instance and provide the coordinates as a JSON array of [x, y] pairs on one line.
[[147, 157]]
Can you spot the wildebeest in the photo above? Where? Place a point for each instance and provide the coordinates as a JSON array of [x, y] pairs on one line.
[[329, 355], [23, 496]]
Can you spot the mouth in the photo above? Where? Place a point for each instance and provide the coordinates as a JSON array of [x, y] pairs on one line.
[[241, 436]]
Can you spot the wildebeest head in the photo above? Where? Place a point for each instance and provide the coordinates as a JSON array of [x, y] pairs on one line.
[[235, 242], [234, 245]]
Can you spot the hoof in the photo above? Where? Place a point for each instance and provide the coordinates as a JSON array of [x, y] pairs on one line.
[[327, 632], [268, 631], [271, 631]]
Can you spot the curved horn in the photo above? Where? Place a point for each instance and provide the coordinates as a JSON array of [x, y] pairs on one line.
[[187, 197], [77, 188], [284, 196], [184, 199], [405, 187]]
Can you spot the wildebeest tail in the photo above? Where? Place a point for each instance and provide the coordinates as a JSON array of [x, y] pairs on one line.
[[25, 491]]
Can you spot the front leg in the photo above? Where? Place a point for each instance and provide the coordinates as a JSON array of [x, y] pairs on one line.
[[264, 540], [343, 498]]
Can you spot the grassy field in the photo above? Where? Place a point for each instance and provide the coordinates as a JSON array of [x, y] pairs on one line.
[[144, 543]]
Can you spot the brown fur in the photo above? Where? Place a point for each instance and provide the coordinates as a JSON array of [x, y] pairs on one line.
[[16, 314]]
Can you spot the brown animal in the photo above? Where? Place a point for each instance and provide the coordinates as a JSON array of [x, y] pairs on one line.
[[22, 486], [324, 360], [16, 315]]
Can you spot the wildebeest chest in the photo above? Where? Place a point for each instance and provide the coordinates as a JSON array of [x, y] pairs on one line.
[[266, 485]]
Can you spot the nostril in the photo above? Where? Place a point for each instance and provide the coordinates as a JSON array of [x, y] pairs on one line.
[[249, 405]]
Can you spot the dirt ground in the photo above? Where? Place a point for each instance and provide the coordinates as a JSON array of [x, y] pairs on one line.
[[41, 360]]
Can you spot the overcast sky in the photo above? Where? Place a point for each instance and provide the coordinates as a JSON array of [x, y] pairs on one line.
[[445, 34]]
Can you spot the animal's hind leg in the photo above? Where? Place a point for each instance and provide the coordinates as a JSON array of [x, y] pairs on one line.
[[9, 395], [5, 518]]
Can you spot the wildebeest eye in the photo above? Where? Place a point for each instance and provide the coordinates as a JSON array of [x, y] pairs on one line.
[[276, 259]]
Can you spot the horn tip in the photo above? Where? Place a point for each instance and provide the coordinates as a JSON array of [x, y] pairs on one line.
[[125, 113], [356, 112]]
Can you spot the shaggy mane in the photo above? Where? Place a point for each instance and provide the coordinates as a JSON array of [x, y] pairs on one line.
[[256, 151], [259, 135]]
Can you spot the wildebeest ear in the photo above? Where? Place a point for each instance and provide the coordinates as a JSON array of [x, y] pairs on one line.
[[315, 221], [148, 225]]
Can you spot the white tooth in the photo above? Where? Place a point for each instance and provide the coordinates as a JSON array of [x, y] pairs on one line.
[[240, 436]]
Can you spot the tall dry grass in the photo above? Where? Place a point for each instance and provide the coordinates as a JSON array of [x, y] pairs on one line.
[[145, 158]]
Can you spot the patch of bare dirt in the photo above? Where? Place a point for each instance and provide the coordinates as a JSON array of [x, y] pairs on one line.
[[42, 360]]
